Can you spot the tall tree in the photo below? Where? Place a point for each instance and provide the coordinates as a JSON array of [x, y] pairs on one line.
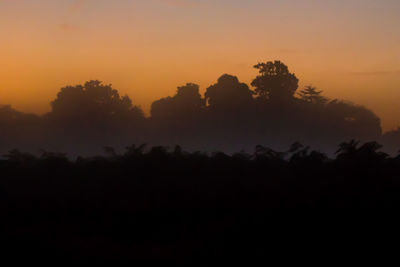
[[189, 98], [93, 102], [310, 94], [275, 82], [186, 102], [228, 94]]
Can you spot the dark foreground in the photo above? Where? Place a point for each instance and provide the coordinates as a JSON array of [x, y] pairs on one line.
[[176, 207]]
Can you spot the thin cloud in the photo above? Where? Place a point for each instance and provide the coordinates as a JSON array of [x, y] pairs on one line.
[[373, 73], [66, 27], [182, 3], [77, 5]]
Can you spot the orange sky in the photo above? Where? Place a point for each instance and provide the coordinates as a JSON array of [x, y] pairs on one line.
[[146, 48]]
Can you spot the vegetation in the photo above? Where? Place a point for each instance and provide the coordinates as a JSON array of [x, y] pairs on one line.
[[138, 205], [230, 116], [152, 205]]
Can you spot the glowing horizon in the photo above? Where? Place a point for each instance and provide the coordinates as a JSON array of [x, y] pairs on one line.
[[146, 48]]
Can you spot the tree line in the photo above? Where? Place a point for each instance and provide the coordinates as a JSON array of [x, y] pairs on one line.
[[230, 116], [158, 205]]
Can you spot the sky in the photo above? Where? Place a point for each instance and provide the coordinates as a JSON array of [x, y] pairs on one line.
[[350, 49]]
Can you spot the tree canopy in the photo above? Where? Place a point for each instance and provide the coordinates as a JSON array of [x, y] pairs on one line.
[[186, 101], [92, 101], [311, 95], [275, 82], [228, 116], [228, 94]]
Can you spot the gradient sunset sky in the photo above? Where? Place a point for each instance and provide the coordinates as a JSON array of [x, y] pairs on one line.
[[146, 48]]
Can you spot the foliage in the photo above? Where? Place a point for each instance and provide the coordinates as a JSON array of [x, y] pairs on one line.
[[275, 82], [228, 117], [311, 95], [228, 94]]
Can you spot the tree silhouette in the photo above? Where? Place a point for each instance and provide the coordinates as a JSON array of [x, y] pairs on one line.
[[265, 153], [93, 102], [189, 98], [135, 151], [275, 82], [352, 152], [311, 95], [391, 141], [301, 155], [110, 151], [18, 156], [370, 151], [228, 118], [163, 108], [185, 103], [10, 115], [354, 120], [228, 94]]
